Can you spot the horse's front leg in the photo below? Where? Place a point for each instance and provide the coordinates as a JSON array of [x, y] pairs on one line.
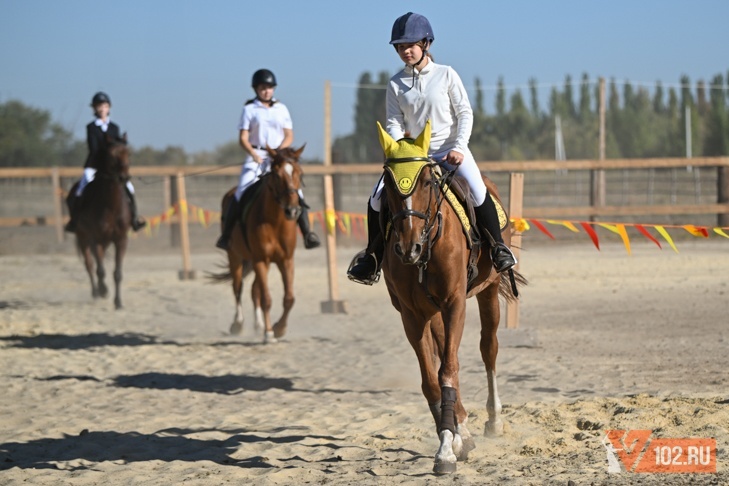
[[98, 252], [488, 307], [235, 267], [120, 247], [89, 264], [463, 442], [287, 275], [454, 313], [262, 301]]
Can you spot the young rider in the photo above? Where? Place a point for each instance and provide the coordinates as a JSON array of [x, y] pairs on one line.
[[424, 91], [265, 121], [96, 133]]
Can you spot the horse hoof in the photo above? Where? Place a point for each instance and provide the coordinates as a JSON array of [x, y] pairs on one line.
[[269, 338], [463, 446], [279, 330], [236, 328], [493, 428], [117, 305], [444, 467], [465, 442]]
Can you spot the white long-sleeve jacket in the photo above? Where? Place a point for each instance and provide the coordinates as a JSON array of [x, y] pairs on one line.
[[436, 92]]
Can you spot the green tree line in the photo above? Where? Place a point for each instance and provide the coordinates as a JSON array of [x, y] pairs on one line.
[[639, 123], [30, 138]]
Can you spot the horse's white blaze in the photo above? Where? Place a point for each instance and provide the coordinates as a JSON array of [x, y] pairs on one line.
[[409, 206], [289, 169]]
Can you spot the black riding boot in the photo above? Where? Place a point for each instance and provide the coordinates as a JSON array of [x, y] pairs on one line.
[[488, 219], [71, 202], [365, 268], [229, 219], [311, 240], [137, 222]]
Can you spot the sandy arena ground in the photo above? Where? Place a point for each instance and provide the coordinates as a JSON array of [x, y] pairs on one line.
[[159, 393]]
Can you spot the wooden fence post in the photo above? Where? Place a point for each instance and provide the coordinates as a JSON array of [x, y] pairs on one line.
[[516, 205], [186, 273], [57, 203], [723, 194], [333, 305], [597, 177], [174, 199]]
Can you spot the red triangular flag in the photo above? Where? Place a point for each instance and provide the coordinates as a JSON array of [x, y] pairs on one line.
[[591, 232]]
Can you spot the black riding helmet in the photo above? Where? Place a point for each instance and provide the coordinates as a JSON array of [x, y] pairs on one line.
[[100, 98], [263, 76]]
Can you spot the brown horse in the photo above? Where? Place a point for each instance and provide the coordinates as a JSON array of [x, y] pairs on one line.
[[103, 217], [266, 234], [425, 266]]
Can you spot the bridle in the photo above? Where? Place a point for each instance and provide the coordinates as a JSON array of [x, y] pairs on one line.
[[281, 194], [113, 168], [432, 217]]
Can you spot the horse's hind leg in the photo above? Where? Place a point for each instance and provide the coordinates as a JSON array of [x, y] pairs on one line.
[[120, 248], [287, 275], [488, 306]]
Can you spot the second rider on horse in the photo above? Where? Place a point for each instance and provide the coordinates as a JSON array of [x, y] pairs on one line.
[[265, 122]]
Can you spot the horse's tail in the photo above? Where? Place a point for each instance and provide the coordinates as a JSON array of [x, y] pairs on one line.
[[507, 288], [226, 276]]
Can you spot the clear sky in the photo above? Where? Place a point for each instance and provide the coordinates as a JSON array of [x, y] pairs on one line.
[[178, 71]]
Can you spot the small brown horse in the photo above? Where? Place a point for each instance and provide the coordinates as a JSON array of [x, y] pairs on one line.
[[103, 217], [267, 235], [425, 266]]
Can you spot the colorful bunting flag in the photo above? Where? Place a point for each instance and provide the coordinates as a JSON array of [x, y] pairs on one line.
[[355, 225]]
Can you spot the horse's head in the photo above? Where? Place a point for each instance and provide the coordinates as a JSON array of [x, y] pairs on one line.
[[285, 179], [412, 193], [113, 158]]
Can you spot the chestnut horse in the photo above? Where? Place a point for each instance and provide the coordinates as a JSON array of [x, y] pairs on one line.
[[425, 266], [103, 217], [266, 233]]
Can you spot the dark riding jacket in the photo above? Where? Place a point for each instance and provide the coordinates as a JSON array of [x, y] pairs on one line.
[[95, 137]]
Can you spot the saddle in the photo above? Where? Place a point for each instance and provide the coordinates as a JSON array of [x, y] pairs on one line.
[[456, 191], [245, 205]]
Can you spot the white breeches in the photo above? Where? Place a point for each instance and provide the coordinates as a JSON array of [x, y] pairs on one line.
[[88, 176], [468, 170], [251, 172]]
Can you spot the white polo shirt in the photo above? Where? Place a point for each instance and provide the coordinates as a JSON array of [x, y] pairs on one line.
[[265, 125], [437, 93]]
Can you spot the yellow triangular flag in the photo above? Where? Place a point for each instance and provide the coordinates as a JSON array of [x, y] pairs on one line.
[[331, 221], [666, 237]]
